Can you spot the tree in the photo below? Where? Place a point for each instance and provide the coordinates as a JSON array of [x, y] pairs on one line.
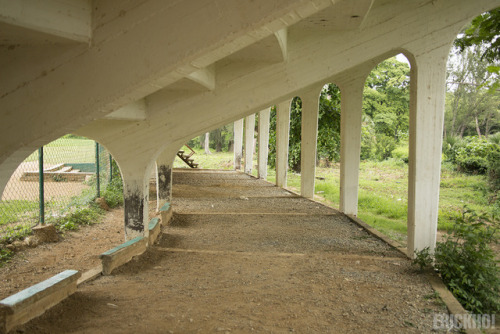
[[483, 31], [328, 129], [471, 107], [207, 143], [386, 98]]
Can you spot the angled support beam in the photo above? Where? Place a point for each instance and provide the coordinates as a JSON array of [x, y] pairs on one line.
[[427, 94], [263, 141], [135, 111], [350, 144], [204, 77], [238, 143], [282, 37], [309, 139], [249, 141], [282, 139], [67, 19]]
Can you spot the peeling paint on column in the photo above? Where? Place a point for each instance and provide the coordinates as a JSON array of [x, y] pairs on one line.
[[164, 182], [134, 208]]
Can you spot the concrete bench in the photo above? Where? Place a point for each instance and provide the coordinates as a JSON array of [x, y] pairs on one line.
[[121, 254], [154, 230], [35, 300], [166, 213]]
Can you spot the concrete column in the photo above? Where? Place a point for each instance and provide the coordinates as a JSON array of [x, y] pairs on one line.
[[427, 98], [263, 142], [164, 165], [238, 143], [249, 140], [136, 197], [350, 144], [282, 137], [309, 139]]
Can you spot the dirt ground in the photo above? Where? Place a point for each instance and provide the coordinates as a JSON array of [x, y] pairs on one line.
[[233, 261], [77, 250]]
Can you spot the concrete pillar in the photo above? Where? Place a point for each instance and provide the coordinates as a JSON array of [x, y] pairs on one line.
[[136, 197], [308, 145], [263, 140], [238, 143], [249, 140], [350, 144], [427, 98], [282, 137], [164, 165]]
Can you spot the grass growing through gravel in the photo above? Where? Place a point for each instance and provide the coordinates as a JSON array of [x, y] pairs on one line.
[[382, 201]]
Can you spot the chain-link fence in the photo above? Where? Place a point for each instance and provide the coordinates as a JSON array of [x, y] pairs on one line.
[[68, 182]]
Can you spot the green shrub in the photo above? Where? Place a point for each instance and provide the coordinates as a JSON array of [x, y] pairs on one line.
[[401, 152], [5, 256], [467, 264], [113, 194], [471, 155], [384, 147], [85, 216], [495, 138], [450, 147], [19, 232], [493, 160]]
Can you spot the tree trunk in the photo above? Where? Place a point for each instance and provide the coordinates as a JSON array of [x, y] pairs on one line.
[[477, 127], [207, 143]]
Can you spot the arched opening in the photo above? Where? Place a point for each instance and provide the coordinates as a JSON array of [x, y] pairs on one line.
[[383, 180], [58, 185]]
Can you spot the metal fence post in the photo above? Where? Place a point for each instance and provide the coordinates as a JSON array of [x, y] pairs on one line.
[[98, 184], [110, 169], [41, 196]]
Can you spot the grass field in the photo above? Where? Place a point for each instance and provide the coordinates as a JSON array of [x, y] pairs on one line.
[[70, 150], [383, 188]]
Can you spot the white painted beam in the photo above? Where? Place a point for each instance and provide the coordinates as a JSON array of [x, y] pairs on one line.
[[309, 139], [135, 111], [350, 144], [60, 97], [68, 19], [249, 142], [282, 141], [263, 141], [427, 97], [238, 143]]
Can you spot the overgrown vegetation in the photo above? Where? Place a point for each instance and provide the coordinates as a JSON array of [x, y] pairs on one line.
[[467, 264], [82, 216], [113, 195]]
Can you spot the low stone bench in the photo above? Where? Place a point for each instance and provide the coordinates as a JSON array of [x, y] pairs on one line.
[[154, 230], [166, 213], [35, 300], [121, 254]]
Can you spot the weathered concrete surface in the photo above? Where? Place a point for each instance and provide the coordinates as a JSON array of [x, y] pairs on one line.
[[293, 266]]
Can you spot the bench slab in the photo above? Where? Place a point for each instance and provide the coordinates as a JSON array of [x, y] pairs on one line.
[[35, 300], [154, 230], [121, 254]]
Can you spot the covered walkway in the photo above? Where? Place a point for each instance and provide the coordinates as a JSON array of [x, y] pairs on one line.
[[242, 255]]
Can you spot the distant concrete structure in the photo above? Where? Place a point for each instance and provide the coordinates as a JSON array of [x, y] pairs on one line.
[[249, 142], [84, 67]]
